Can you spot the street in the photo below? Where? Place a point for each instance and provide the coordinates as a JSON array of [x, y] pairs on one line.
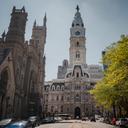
[[76, 124]]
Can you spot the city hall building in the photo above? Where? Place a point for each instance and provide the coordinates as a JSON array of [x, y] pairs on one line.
[[69, 93]]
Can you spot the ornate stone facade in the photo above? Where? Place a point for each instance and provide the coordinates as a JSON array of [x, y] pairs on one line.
[[22, 68], [68, 94]]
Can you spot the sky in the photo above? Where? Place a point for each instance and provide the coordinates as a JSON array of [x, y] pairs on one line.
[[104, 20]]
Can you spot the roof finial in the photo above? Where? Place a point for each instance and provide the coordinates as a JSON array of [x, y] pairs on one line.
[[45, 20], [77, 8]]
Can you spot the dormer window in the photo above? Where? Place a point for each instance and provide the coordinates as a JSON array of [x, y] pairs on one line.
[[77, 33]]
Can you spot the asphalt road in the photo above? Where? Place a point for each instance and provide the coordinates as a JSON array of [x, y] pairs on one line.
[[76, 124]]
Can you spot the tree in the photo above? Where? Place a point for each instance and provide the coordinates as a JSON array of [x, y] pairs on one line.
[[112, 90]]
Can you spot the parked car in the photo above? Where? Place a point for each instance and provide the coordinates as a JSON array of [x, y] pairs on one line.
[[20, 124], [5, 122], [48, 120], [92, 119], [101, 119], [57, 119], [122, 122], [84, 118], [34, 120]]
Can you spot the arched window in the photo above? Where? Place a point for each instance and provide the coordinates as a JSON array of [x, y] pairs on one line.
[[57, 98], [77, 54], [77, 98], [62, 98], [77, 44], [47, 88], [62, 88], [53, 88], [77, 74], [58, 88]]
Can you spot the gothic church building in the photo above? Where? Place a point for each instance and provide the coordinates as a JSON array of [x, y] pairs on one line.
[[22, 68], [68, 94]]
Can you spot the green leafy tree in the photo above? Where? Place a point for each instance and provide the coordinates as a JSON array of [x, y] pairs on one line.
[[112, 90]]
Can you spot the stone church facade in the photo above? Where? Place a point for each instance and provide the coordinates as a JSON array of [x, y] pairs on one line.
[[68, 94], [22, 68]]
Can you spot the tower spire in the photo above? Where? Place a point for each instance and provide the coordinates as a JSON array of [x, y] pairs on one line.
[[34, 25]]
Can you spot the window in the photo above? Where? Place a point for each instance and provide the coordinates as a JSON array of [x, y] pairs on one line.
[[77, 54], [47, 88], [77, 74], [57, 98], [62, 98], [58, 88], [53, 88], [77, 25], [77, 44], [52, 108], [61, 109], [62, 88]]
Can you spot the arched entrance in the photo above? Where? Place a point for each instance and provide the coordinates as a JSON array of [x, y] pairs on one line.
[[77, 112]]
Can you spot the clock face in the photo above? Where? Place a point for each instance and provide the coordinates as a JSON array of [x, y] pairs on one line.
[[77, 33]]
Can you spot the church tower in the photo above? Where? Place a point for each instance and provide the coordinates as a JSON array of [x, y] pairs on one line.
[[77, 49], [16, 30], [39, 35]]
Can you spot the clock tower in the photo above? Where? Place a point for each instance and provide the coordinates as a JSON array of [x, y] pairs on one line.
[[77, 41]]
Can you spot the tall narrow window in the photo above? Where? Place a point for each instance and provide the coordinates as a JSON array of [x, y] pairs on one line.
[[77, 44], [57, 98], [52, 108], [77, 54], [62, 98], [61, 109], [77, 74]]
